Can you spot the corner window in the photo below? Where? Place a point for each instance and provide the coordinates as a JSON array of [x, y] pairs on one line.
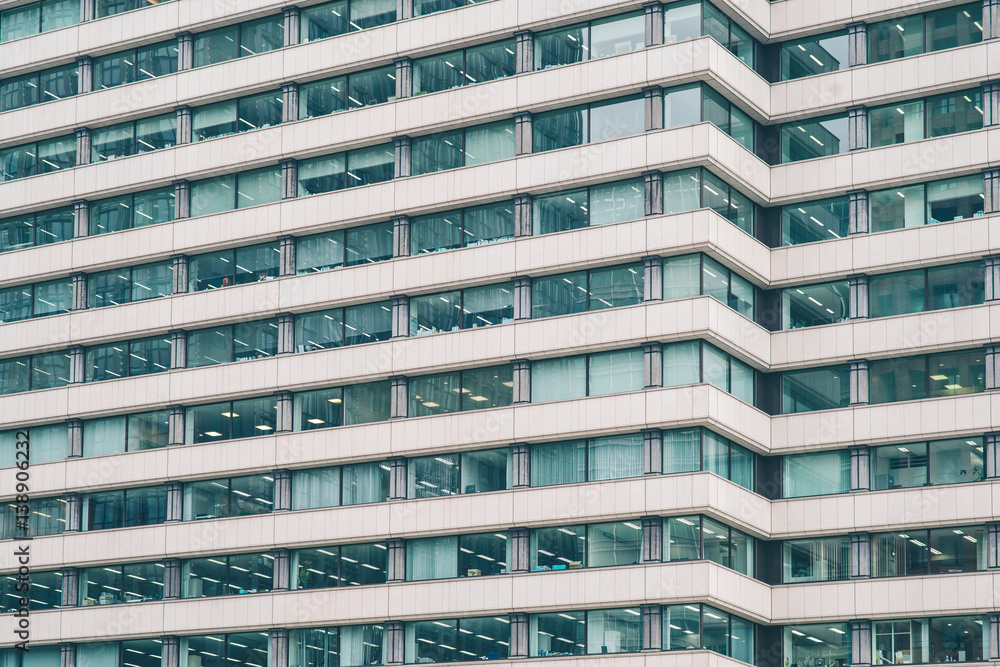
[[698, 537], [699, 626], [691, 275], [694, 362], [694, 103], [691, 189], [814, 55], [694, 449]]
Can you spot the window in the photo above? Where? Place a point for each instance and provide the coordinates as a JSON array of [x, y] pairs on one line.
[[326, 329], [693, 449], [921, 552], [347, 565], [39, 87], [34, 229], [424, 7], [583, 632], [38, 17], [586, 375], [814, 55], [136, 653], [923, 463], [451, 474], [816, 559], [47, 443], [916, 291], [727, 32], [341, 16], [462, 228], [690, 275], [829, 643], [351, 91], [457, 556], [39, 300], [47, 516], [114, 584], [129, 433], [596, 545], [462, 309], [473, 389], [129, 358], [109, 7], [916, 205], [38, 158], [807, 139], [136, 283], [249, 649], [930, 376], [133, 65], [596, 205], [346, 247], [227, 575], [924, 640], [463, 148], [581, 291], [816, 474], [236, 496], [130, 211], [41, 371], [341, 406], [236, 41], [596, 459], [815, 389], [463, 639], [698, 537], [44, 591], [230, 420], [695, 626], [234, 267], [691, 189], [225, 193], [694, 103], [815, 221], [149, 134], [584, 41], [340, 485], [45, 655], [813, 305], [349, 646], [464, 68], [125, 509], [696, 361], [363, 166], [601, 121], [232, 116], [930, 117], [924, 33]]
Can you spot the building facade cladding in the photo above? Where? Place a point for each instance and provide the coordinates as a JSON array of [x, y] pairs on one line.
[[335, 324]]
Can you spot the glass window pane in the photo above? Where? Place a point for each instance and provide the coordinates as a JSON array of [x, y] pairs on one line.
[[617, 202], [114, 70], [375, 86], [216, 46], [257, 263], [953, 26], [617, 35], [896, 208], [213, 195], [681, 450], [259, 111], [814, 55], [614, 631], [681, 191], [317, 409], [818, 389], [557, 379], [483, 638], [211, 271], [155, 133], [897, 293], [56, 154], [487, 470], [156, 60], [106, 362], [815, 221], [15, 375], [682, 105], [15, 304], [816, 474], [489, 62], [371, 243], [365, 483], [557, 634], [262, 35], [741, 295], [324, 174], [322, 21], [681, 20], [49, 370], [319, 252], [145, 507], [431, 641], [901, 379], [682, 627], [562, 47], [487, 387], [559, 295], [148, 430], [612, 544], [370, 165], [623, 117], [255, 340], [209, 346], [215, 120], [896, 123], [17, 162], [817, 559], [558, 548], [486, 224], [19, 92], [559, 463], [111, 215], [955, 199], [956, 373], [437, 152], [153, 207], [260, 186], [47, 443], [741, 128], [434, 394], [316, 568], [952, 461], [20, 22], [810, 139], [560, 212], [812, 305], [492, 304], [362, 645], [151, 281], [615, 372], [895, 38], [559, 129], [319, 330], [899, 466], [52, 298], [957, 549], [432, 476], [681, 276], [432, 558], [431, 233], [682, 363], [424, 7], [18, 232], [439, 72], [58, 83], [958, 112], [715, 107], [372, 13], [489, 143], [367, 323], [322, 97], [615, 457]]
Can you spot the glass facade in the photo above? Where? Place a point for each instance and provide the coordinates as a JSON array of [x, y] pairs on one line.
[[695, 361], [922, 119], [581, 291], [230, 420], [350, 91], [597, 39], [691, 189], [462, 228], [694, 103], [42, 157], [39, 87], [36, 229], [341, 406], [130, 284], [586, 375], [464, 68], [812, 305], [924, 204], [693, 449], [462, 309], [817, 474], [236, 496], [814, 221], [585, 207], [130, 211], [134, 65], [702, 538], [930, 376], [815, 389], [462, 148], [472, 389], [924, 33], [590, 460], [600, 121], [348, 247], [694, 626], [814, 138], [235, 41], [125, 509], [924, 463], [362, 166], [691, 275], [814, 55], [38, 17]]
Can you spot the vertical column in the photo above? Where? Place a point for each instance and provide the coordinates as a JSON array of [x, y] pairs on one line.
[[861, 643], [396, 560], [282, 569], [652, 283], [172, 579], [394, 642], [652, 539], [289, 178], [397, 477], [857, 128], [182, 199], [171, 652], [992, 366], [185, 51], [178, 348], [70, 587], [857, 209], [652, 365], [76, 367], [991, 442], [520, 458], [519, 644], [88, 10], [993, 545], [398, 397], [991, 19], [859, 382], [524, 46], [81, 218], [286, 333], [283, 420], [85, 74], [652, 626], [652, 451], [861, 555], [991, 188], [857, 300], [522, 298], [522, 215], [79, 290], [522, 380], [402, 146], [289, 102], [653, 193], [175, 502], [401, 236], [404, 9], [180, 277], [520, 550], [654, 23], [175, 429], [291, 19], [286, 248], [653, 108], [184, 127], [82, 146], [400, 316], [404, 77], [860, 470], [75, 444], [522, 133], [74, 512], [857, 44], [282, 491], [278, 650], [991, 103], [67, 655]]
